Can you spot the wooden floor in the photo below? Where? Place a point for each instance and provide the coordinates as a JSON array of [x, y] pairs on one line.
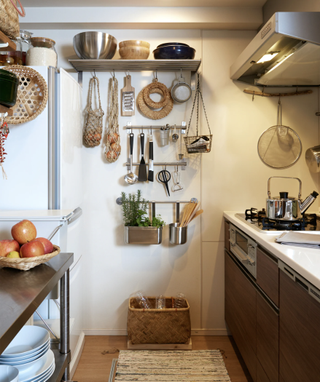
[[99, 351]]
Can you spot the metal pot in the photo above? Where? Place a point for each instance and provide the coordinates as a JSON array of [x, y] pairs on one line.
[[287, 208], [313, 158]]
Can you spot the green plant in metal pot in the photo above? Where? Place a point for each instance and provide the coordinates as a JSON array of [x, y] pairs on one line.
[[135, 211]]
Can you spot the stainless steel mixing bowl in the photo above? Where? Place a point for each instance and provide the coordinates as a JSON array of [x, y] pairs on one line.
[[94, 45]]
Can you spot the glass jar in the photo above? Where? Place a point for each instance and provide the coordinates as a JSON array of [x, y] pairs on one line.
[[42, 52], [18, 56]]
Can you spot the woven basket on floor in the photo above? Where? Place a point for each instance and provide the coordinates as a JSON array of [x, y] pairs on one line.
[[26, 263], [158, 326]]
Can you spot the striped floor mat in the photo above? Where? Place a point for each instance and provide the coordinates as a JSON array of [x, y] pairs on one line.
[[170, 365]]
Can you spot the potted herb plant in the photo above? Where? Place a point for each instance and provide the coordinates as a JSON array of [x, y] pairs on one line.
[[138, 227]]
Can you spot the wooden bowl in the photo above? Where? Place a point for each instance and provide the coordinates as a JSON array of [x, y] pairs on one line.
[[130, 43], [134, 53]]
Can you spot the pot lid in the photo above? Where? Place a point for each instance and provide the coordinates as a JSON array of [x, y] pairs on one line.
[[172, 43]]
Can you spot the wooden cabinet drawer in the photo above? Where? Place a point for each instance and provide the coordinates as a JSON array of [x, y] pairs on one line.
[[267, 339], [240, 312], [299, 332], [268, 275]]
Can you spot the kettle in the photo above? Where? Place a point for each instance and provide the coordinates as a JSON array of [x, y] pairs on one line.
[[287, 208]]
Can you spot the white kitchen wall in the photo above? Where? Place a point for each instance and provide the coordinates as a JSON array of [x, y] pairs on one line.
[[231, 177]]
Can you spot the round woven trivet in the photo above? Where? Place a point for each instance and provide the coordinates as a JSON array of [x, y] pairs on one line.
[[154, 114], [32, 95], [148, 90], [26, 263]]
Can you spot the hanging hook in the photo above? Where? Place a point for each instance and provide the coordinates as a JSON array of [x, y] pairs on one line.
[[253, 96], [127, 73], [113, 75], [94, 73], [180, 72], [155, 75]]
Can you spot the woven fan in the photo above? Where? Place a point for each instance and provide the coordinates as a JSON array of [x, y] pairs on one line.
[[32, 95]]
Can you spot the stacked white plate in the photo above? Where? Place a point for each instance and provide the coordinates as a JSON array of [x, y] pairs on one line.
[[30, 353]]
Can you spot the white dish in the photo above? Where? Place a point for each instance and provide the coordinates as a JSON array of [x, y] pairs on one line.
[[44, 377], [29, 339], [9, 374], [26, 359], [35, 369]]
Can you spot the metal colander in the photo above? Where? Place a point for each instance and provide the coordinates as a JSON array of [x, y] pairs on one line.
[[279, 146]]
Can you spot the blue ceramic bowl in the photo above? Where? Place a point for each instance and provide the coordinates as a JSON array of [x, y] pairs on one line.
[[173, 52]]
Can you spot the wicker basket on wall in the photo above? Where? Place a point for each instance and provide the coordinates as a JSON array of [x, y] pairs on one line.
[[158, 326]]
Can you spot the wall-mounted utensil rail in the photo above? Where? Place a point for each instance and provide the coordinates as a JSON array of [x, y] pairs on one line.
[[153, 205], [183, 164], [147, 127]]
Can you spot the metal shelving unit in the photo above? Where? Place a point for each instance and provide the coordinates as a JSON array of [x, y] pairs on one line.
[[21, 292]]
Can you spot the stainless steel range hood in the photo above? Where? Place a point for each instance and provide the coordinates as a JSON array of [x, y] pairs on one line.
[[294, 39]]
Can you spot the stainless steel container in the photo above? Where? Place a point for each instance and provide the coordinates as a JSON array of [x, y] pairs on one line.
[[177, 235], [142, 235], [94, 45], [313, 159]]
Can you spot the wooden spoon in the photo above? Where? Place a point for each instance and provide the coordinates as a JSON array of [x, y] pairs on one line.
[[196, 214]]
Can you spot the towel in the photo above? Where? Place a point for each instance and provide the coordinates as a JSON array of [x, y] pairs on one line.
[[299, 239]]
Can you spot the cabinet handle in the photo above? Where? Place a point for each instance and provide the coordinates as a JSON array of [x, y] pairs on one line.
[[290, 274]]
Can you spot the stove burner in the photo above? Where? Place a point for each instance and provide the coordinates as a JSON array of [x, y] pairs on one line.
[[254, 214], [298, 225], [258, 218]]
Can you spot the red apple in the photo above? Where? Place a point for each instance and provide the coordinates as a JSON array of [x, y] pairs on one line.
[[7, 246], [47, 245], [32, 249], [24, 231]]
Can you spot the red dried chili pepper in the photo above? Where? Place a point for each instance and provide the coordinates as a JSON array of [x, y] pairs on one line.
[[4, 131]]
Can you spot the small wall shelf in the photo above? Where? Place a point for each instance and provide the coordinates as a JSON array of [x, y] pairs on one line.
[[82, 65], [6, 40]]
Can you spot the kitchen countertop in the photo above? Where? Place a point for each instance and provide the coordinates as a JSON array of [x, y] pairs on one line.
[[305, 261]]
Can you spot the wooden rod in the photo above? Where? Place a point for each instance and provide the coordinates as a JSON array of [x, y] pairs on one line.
[[263, 94]]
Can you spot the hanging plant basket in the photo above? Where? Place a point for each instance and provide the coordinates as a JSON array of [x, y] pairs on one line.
[[198, 144]]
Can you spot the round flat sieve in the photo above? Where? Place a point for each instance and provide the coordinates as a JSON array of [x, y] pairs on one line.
[[279, 146], [181, 90]]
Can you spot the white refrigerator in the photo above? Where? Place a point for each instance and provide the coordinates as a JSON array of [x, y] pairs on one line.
[[44, 184]]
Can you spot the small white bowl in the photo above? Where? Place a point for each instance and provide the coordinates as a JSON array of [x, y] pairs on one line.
[[9, 373]]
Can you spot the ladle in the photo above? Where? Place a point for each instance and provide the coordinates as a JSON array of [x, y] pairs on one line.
[[131, 178]]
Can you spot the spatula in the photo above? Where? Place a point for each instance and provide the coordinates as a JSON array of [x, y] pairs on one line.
[[127, 98], [150, 173], [142, 176]]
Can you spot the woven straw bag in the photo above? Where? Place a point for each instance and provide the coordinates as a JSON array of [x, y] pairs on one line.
[[158, 326], [9, 18], [92, 133], [112, 148]]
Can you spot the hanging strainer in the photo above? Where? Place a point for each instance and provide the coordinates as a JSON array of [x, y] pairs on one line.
[[279, 146]]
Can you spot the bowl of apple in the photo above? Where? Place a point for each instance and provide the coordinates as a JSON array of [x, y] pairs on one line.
[[26, 250]]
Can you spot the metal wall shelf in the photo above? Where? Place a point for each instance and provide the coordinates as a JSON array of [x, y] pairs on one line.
[[83, 65]]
